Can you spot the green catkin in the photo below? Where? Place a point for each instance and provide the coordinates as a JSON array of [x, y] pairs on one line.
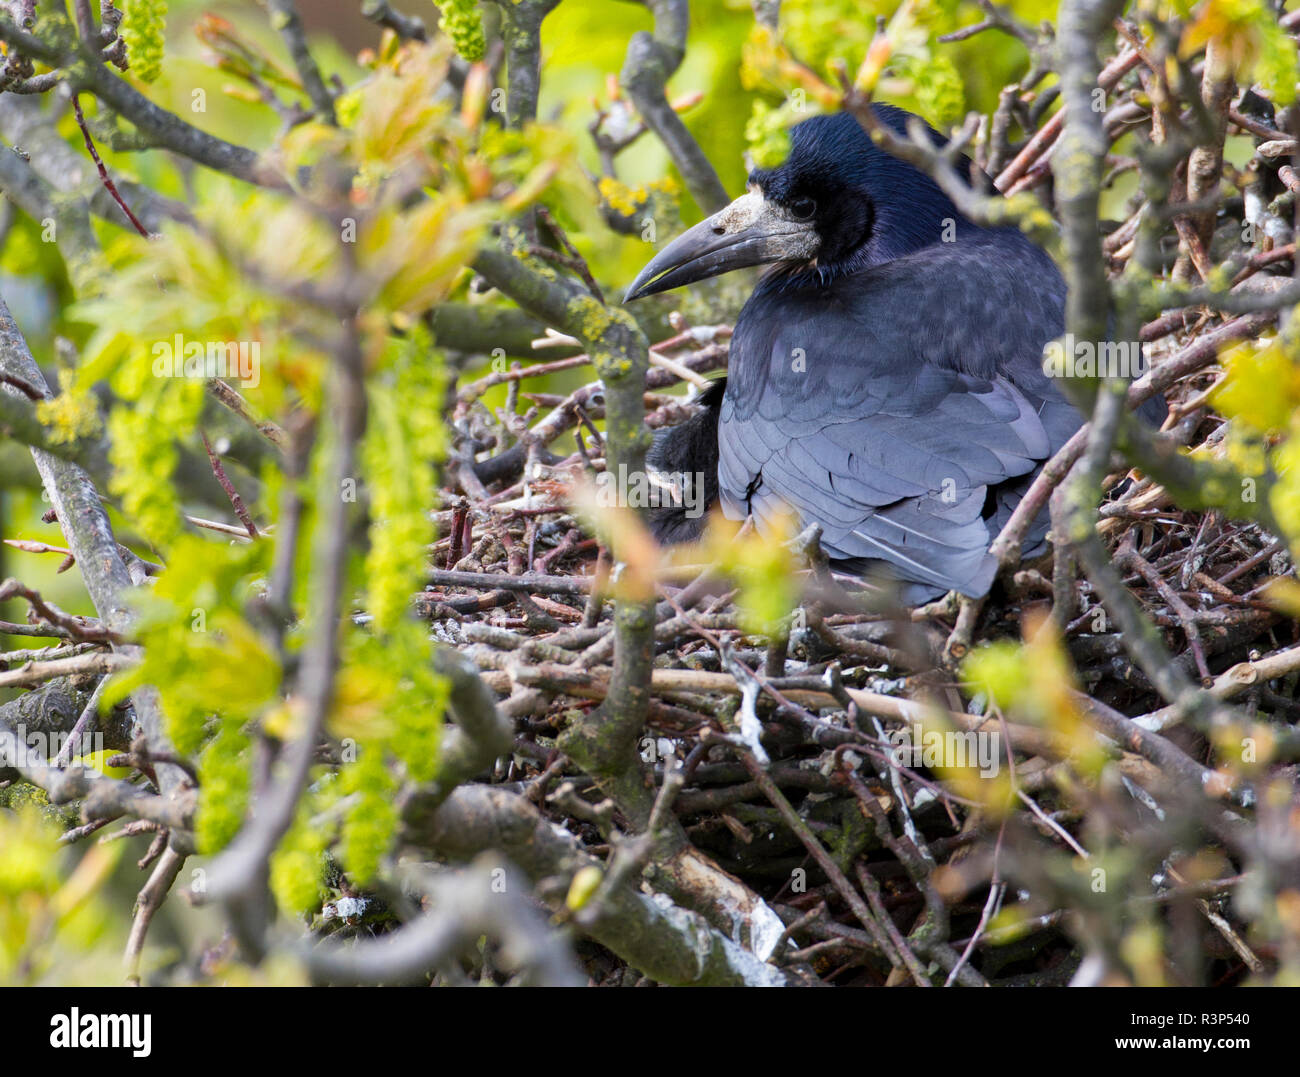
[[143, 457], [371, 820], [462, 22], [766, 135], [297, 866], [404, 438], [143, 26], [940, 94], [224, 786]]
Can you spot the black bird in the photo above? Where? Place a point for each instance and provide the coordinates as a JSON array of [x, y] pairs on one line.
[[885, 378]]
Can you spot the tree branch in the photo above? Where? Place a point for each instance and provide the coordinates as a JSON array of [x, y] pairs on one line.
[[651, 60]]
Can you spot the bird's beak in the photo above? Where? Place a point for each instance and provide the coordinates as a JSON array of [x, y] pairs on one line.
[[750, 232]]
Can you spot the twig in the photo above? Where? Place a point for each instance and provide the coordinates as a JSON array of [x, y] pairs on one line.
[[237, 502], [104, 177]]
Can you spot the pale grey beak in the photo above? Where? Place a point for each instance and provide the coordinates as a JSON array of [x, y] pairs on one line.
[[750, 232]]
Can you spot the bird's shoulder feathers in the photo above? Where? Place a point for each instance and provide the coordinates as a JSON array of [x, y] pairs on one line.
[[888, 404]]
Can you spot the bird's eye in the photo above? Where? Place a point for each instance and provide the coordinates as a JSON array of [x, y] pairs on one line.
[[803, 208]]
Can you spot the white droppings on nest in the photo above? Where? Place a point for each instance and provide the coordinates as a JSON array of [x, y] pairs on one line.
[[446, 631], [923, 797], [765, 930], [751, 917], [346, 908], [528, 503], [751, 728], [892, 686], [747, 967]]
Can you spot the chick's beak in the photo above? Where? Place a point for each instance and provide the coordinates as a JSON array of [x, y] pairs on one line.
[[750, 232]]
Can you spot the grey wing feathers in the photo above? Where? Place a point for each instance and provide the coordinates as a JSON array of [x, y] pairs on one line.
[[902, 430], [906, 489]]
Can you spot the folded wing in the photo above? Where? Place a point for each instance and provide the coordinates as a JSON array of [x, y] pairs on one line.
[[902, 409]]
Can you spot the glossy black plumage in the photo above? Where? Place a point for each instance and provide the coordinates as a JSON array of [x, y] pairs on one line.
[[891, 387]]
